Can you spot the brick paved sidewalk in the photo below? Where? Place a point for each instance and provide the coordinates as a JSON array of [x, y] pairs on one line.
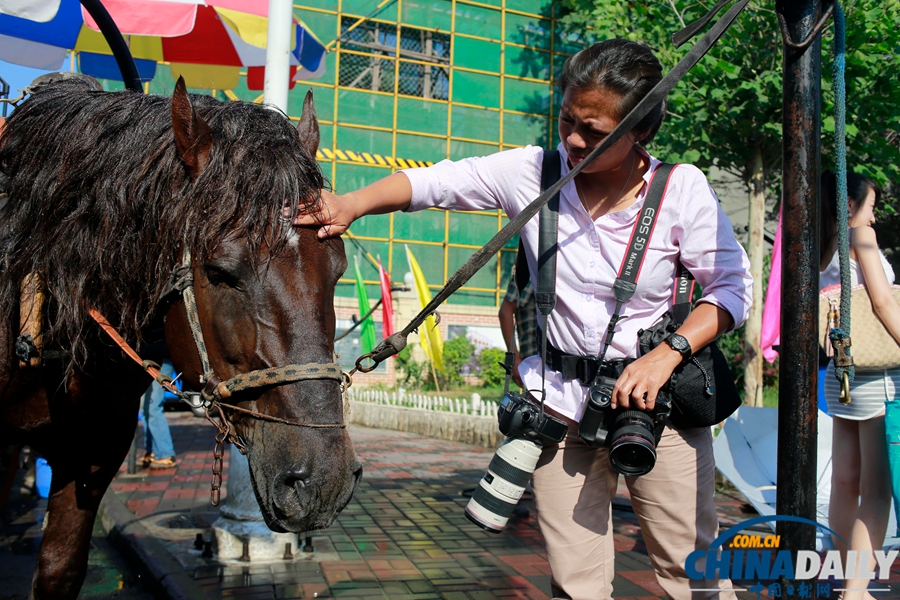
[[403, 535]]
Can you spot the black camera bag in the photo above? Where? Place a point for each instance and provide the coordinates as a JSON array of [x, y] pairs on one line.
[[702, 389]]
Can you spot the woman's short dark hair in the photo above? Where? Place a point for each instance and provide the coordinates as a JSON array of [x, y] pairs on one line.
[[626, 68], [858, 187]]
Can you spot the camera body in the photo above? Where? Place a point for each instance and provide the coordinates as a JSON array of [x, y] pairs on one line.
[[511, 467], [520, 417], [630, 434]]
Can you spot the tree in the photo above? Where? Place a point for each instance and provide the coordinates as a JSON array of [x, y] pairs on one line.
[[727, 111], [490, 367], [873, 108], [457, 353]]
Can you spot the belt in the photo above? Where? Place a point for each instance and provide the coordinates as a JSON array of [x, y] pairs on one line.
[[582, 368]]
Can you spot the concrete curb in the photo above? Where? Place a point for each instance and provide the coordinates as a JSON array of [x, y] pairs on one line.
[[453, 427], [166, 578]]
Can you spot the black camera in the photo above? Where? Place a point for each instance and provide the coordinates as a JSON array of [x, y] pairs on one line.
[[630, 434], [520, 417], [503, 484]]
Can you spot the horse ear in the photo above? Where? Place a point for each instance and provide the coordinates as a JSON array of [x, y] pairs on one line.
[[193, 137], [308, 127]]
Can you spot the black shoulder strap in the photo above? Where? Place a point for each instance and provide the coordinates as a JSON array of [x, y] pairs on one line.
[[682, 295], [548, 223], [550, 173]]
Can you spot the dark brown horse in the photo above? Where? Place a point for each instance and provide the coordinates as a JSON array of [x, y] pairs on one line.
[[107, 193]]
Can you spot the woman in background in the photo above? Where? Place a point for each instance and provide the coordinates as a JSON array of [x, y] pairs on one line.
[[860, 477]]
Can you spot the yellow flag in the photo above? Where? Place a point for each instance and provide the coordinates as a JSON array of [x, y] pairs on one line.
[[429, 332]]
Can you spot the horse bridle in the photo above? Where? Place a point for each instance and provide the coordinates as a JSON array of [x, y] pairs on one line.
[[215, 390]]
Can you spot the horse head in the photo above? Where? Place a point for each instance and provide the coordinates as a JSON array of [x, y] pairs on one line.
[[267, 305]]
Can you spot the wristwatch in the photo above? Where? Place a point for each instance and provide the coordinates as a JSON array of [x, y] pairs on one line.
[[680, 343]]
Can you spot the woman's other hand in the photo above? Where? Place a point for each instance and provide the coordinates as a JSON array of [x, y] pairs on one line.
[[640, 382]]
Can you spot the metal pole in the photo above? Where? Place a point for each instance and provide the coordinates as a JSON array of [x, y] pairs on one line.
[[131, 458], [117, 44], [4, 93], [278, 54], [797, 395]]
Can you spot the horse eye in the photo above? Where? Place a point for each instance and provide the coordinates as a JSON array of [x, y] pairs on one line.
[[219, 276]]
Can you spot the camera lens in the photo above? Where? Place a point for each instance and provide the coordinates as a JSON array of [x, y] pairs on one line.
[[632, 451], [503, 484]]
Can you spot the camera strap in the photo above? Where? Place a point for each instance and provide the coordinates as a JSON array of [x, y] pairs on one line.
[[626, 282], [682, 294], [548, 226]]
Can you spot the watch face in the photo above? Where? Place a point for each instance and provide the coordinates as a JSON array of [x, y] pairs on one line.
[[679, 343]]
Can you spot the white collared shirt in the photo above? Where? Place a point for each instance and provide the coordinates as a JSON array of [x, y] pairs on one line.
[[691, 226]]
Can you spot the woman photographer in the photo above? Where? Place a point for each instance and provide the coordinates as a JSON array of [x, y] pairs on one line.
[[860, 474], [574, 484]]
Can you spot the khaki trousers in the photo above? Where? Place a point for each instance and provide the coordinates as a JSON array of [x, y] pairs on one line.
[[574, 486]]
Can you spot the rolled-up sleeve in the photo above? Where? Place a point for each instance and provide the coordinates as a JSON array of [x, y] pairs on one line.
[[481, 183], [709, 249]]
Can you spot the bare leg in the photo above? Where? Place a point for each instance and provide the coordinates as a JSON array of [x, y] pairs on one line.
[[845, 474], [871, 520]]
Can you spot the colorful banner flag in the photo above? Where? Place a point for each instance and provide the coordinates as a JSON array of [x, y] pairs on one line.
[[367, 327], [387, 304], [429, 332], [771, 319]]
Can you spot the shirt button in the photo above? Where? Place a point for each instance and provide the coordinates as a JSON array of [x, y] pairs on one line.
[[592, 264], [588, 297], [590, 333]]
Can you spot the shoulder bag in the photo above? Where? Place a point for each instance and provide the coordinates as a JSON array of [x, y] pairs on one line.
[[873, 349], [702, 389]]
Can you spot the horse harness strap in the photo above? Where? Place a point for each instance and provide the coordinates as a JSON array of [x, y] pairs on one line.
[[216, 389]]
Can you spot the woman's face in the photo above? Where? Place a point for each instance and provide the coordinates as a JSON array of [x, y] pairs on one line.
[[863, 213], [586, 117]]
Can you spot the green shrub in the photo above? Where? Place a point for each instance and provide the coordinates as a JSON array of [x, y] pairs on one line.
[[490, 367], [457, 352], [413, 371]]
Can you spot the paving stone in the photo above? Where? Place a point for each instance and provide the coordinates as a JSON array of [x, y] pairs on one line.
[[403, 536]]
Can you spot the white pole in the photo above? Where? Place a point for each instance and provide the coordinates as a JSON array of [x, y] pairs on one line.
[[278, 54]]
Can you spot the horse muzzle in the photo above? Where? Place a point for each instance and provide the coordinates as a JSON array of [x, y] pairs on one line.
[[303, 499]]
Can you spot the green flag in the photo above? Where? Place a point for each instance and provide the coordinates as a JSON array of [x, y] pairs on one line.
[[367, 328]]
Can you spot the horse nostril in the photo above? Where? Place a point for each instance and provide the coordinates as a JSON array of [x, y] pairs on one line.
[[297, 476]]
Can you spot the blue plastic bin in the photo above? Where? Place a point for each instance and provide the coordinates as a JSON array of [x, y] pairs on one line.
[[42, 476]]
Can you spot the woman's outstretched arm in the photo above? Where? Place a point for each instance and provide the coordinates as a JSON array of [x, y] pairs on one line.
[[337, 212]]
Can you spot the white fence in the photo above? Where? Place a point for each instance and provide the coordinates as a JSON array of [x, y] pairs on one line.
[[464, 406]]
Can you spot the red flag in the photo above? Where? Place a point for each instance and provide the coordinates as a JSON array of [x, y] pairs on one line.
[[387, 307]]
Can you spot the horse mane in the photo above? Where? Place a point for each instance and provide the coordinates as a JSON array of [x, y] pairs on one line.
[[101, 205]]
